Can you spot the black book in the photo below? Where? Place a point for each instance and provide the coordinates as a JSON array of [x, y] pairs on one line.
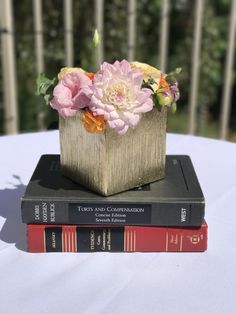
[[176, 200]]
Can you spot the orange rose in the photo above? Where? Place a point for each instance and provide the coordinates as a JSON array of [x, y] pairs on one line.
[[93, 124]]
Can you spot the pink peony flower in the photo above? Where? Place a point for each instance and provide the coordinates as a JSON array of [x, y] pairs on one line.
[[118, 95], [71, 93]]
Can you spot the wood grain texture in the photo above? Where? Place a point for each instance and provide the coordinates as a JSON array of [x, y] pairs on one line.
[[108, 163]]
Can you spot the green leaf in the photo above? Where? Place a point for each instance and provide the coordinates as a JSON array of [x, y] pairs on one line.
[[170, 78], [47, 98], [45, 87], [43, 84], [173, 107]]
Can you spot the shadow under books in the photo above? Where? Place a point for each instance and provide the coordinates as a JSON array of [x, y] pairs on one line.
[[13, 230]]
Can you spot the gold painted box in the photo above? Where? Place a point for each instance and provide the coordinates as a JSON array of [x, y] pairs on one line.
[[109, 163]]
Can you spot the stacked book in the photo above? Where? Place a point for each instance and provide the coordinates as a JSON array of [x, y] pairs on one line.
[[164, 216]]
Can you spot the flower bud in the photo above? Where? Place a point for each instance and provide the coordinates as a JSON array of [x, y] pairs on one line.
[[96, 38]]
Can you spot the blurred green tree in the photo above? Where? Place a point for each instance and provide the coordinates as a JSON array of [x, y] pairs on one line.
[[214, 41]]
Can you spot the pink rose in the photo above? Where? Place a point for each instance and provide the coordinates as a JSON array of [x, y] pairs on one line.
[[71, 94]]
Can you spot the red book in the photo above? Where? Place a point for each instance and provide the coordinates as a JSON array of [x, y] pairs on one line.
[[81, 238]]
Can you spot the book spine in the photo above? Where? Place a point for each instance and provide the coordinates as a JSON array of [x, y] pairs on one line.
[[74, 238], [155, 214]]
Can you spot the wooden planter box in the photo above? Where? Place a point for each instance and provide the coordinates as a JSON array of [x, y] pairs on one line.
[[109, 163]]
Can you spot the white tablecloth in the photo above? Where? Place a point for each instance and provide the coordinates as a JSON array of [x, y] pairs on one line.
[[119, 283]]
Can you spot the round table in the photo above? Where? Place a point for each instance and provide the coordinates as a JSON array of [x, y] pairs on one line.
[[119, 282]]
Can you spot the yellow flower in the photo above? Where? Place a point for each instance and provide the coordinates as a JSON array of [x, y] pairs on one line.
[[67, 70], [148, 72]]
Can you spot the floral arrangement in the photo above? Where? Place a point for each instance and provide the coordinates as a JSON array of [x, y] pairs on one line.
[[116, 96]]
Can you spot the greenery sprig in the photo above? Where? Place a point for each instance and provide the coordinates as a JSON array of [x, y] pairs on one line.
[[45, 87]]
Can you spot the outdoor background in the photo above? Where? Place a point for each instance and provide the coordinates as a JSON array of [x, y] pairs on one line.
[[213, 53]]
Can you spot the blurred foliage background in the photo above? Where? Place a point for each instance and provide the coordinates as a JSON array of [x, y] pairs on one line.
[[214, 44]]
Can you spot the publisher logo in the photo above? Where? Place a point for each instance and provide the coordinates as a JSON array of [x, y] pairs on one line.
[[183, 214], [195, 239]]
